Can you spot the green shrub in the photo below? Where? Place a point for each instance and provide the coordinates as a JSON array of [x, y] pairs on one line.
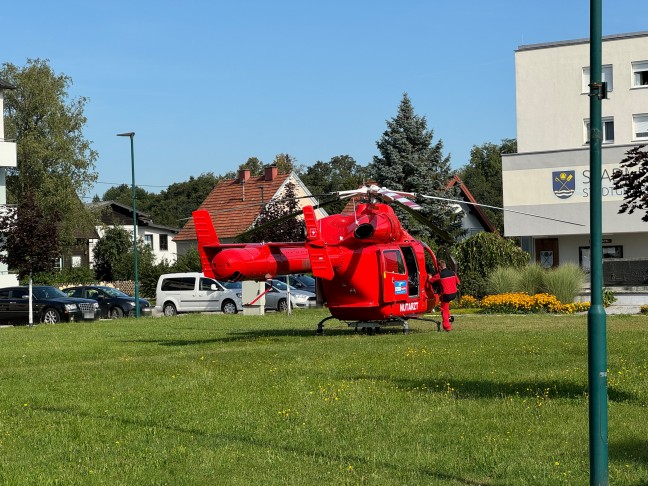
[[472, 283], [531, 279], [644, 309], [565, 282], [479, 255], [503, 280], [67, 276], [609, 297]]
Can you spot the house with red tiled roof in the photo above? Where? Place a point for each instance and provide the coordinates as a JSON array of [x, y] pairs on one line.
[[234, 204]]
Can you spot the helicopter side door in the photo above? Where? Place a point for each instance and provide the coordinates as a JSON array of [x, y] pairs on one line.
[[394, 276]]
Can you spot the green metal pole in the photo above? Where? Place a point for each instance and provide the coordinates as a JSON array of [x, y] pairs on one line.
[[596, 319], [131, 135]]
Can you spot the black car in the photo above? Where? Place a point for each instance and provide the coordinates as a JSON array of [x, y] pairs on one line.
[[112, 302], [49, 305]]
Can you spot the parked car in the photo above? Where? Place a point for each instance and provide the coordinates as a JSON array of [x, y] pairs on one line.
[[113, 303], [193, 292], [300, 282], [49, 305], [276, 297]]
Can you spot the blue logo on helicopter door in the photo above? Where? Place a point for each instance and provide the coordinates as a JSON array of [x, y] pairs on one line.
[[400, 287], [564, 183]]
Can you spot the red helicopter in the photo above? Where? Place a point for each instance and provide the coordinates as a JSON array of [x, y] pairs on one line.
[[371, 271]]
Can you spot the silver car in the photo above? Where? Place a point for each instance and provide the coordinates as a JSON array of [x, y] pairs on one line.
[[276, 297]]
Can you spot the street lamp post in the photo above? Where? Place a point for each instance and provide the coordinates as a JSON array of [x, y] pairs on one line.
[[131, 135]]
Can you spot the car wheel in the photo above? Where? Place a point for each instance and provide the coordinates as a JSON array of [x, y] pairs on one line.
[[116, 313], [51, 316], [282, 305], [229, 307], [169, 309]]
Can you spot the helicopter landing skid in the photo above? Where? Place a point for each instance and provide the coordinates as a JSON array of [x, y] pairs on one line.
[[374, 326], [428, 319], [371, 326]]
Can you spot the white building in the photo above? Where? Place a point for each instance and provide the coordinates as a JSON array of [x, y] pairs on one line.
[[8, 158], [550, 176], [159, 238]]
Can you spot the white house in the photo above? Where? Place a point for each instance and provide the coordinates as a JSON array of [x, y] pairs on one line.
[[550, 176], [159, 238]]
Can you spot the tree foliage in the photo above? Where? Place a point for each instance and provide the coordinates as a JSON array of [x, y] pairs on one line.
[[341, 173], [114, 258], [114, 243], [410, 161], [171, 207], [30, 236], [55, 161], [632, 179], [291, 229], [479, 255], [254, 165], [483, 177]]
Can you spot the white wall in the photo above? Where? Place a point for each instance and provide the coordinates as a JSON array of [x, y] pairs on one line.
[[551, 105]]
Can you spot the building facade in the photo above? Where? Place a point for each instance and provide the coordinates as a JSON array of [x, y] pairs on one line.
[[550, 175]]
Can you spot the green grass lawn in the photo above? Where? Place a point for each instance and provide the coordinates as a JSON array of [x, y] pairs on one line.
[[240, 400]]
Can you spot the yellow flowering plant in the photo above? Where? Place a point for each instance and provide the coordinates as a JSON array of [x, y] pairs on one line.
[[522, 303]]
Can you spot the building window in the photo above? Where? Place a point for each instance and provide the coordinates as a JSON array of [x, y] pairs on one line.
[[640, 74], [640, 126], [148, 239], [164, 242], [612, 251], [606, 77], [608, 130]]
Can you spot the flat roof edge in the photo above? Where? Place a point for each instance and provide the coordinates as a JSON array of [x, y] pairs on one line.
[[544, 45]]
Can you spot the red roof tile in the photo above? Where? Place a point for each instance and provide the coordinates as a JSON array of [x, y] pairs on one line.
[[234, 206]]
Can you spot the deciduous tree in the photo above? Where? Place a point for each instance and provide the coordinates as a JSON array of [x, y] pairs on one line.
[[30, 237], [55, 161], [632, 179], [339, 174]]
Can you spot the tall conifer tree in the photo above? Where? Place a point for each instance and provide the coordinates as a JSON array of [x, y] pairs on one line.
[[410, 161]]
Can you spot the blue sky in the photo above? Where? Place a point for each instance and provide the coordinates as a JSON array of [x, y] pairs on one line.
[[207, 84]]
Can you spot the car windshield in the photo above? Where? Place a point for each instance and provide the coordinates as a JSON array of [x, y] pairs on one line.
[[232, 285], [112, 292], [279, 285], [306, 280], [47, 293]]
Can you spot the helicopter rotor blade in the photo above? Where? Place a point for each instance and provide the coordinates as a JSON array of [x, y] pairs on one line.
[[457, 201], [443, 234]]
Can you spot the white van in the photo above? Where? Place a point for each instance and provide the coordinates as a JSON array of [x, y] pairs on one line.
[[193, 292]]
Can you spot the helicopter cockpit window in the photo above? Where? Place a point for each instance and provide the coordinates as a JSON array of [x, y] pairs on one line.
[[394, 261]]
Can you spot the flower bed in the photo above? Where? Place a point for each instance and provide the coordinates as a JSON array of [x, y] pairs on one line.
[[521, 303]]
